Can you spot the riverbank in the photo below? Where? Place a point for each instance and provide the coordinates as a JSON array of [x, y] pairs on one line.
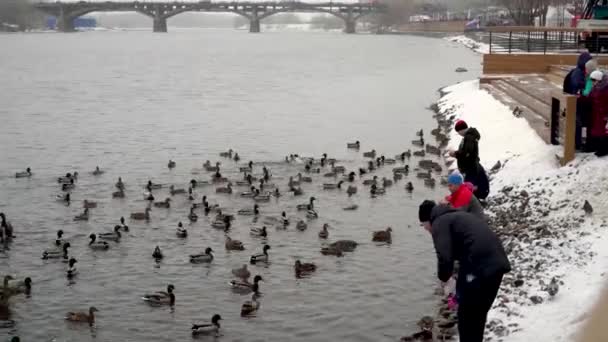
[[536, 207]]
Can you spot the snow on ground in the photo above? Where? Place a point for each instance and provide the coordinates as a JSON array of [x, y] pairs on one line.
[[574, 250], [470, 43]]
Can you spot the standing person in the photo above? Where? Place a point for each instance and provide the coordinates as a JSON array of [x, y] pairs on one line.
[[467, 156], [461, 196], [574, 84], [598, 99], [463, 237]]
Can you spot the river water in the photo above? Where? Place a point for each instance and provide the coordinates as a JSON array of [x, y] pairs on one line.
[[130, 101]]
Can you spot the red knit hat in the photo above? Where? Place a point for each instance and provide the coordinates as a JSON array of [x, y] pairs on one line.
[[460, 125]]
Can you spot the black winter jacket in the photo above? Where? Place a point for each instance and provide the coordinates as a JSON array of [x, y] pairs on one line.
[[467, 155], [463, 237]]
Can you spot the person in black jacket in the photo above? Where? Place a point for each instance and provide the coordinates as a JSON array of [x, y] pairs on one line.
[[463, 237], [467, 156]]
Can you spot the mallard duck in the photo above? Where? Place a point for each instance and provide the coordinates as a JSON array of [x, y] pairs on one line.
[[123, 225], [397, 177], [303, 268], [296, 191], [100, 245], [24, 286], [82, 217], [114, 236], [157, 254], [180, 231], [5, 288], [153, 186], [351, 190], [301, 225], [141, 216], [234, 245], [259, 232], [260, 257], [345, 245], [382, 235], [292, 183], [164, 204], [331, 174], [409, 187], [226, 154], [251, 306], [420, 133], [120, 185], [57, 253], [371, 181], [430, 182], [242, 272], [89, 204], [370, 154], [432, 149], [202, 258], [251, 193], [236, 157], [389, 161], [418, 142], [331, 186], [331, 251], [386, 182], [173, 191], [324, 233], [311, 214], [161, 297], [375, 190], [64, 198], [97, 171], [69, 178], [171, 164], [24, 174], [246, 287], [59, 239], [209, 168], [254, 211], [213, 328], [424, 175], [224, 190], [118, 194], [262, 197], [82, 316], [192, 216], [305, 206], [420, 153], [72, 270], [351, 207], [355, 145]]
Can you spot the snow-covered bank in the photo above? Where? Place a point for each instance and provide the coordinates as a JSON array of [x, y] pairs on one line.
[[470, 43], [537, 209]]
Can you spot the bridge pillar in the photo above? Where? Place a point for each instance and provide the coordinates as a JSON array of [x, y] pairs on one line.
[[160, 24], [65, 23], [254, 26], [350, 26]]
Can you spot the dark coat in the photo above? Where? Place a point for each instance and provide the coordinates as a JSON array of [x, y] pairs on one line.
[[463, 237], [598, 99], [467, 155], [577, 75], [480, 179]]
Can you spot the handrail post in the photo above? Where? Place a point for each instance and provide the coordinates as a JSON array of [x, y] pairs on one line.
[[528, 41], [490, 42], [545, 43], [510, 37]]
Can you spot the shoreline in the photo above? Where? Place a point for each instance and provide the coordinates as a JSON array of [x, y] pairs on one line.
[[536, 207]]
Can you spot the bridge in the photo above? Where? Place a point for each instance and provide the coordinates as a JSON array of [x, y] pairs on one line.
[[66, 12]]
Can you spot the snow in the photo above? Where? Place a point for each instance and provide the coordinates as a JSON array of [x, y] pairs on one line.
[[470, 43], [530, 164]]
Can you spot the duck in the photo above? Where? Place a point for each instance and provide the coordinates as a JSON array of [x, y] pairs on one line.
[[351, 207], [311, 214], [24, 174], [432, 149], [82, 316], [260, 257], [409, 187], [351, 190], [331, 251], [305, 206], [164, 204], [57, 253], [241, 272], [383, 235], [420, 153], [251, 306], [418, 142], [120, 185], [292, 183], [430, 182], [5, 287], [161, 297], [221, 224], [246, 287], [420, 133], [114, 236], [224, 190], [324, 233], [296, 191], [236, 157], [303, 268], [350, 177], [303, 179], [254, 211], [202, 258], [152, 186], [118, 194], [209, 168], [375, 190], [181, 231], [24, 286], [59, 239], [301, 225], [148, 196], [331, 186], [212, 328], [259, 232], [123, 225], [251, 193], [192, 216], [173, 191], [234, 245], [141, 216], [331, 174], [69, 178], [72, 270], [386, 182], [344, 245], [157, 254], [371, 181], [82, 217], [262, 197], [355, 145], [64, 198], [171, 164], [397, 177], [89, 204], [388, 160], [226, 154], [97, 245], [370, 154], [97, 171], [424, 175]]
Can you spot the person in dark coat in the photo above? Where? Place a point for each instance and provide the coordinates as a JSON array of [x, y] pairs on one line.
[[598, 99], [574, 84], [463, 237], [481, 182], [467, 155]]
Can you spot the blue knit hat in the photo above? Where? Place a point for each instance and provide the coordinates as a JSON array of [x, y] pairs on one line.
[[455, 179]]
